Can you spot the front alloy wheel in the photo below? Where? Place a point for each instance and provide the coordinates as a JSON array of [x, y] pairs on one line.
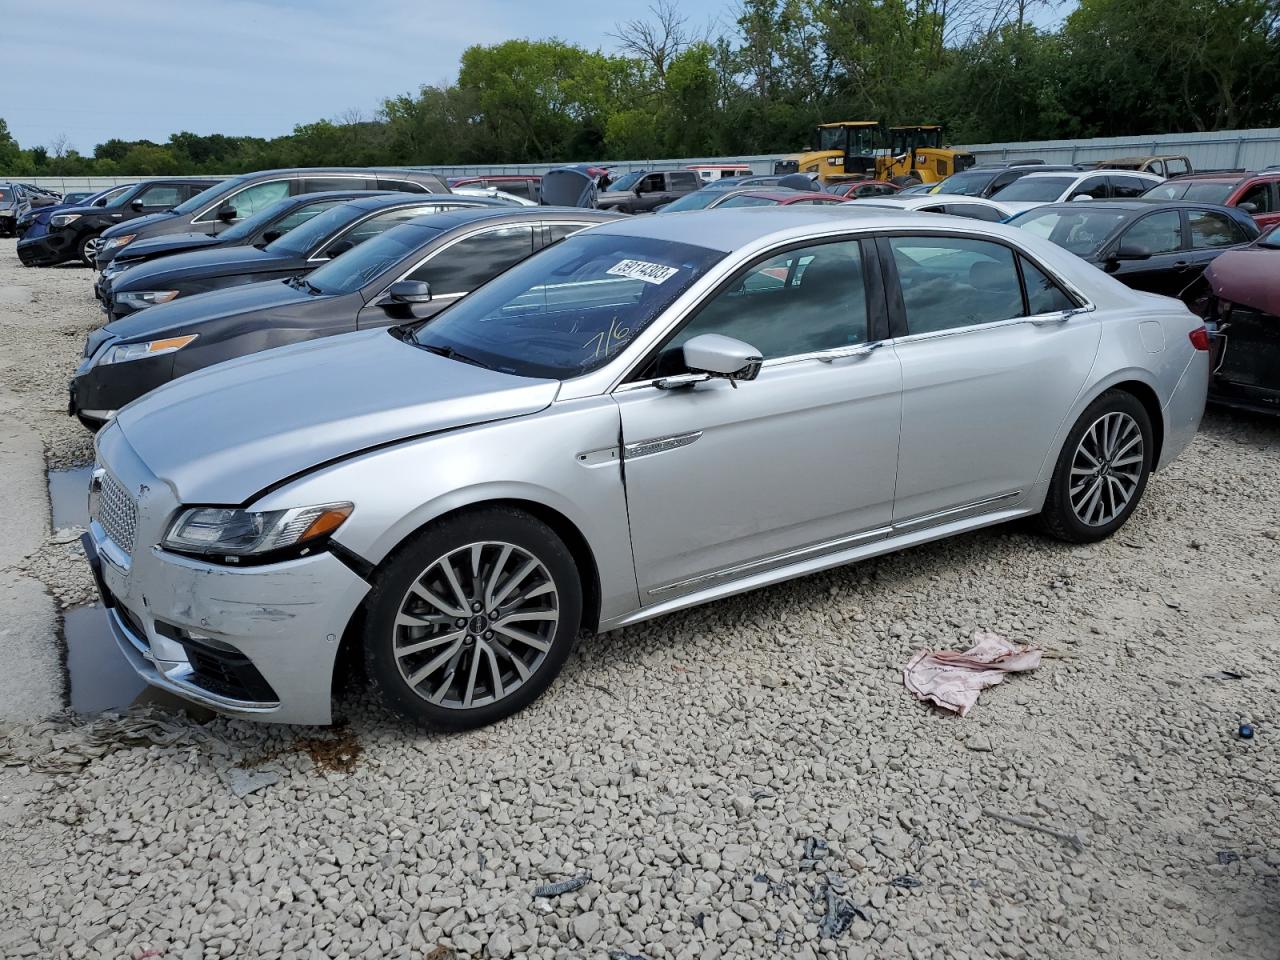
[[89, 248], [474, 619]]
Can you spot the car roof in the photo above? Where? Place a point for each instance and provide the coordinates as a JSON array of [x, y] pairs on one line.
[[730, 228], [1135, 204], [464, 216], [783, 194], [378, 199]]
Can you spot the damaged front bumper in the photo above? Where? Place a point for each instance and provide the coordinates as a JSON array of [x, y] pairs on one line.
[[257, 642]]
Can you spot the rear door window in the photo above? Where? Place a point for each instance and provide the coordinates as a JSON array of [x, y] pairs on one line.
[[466, 264], [403, 186], [1212, 229], [161, 196], [1122, 186], [683, 181], [951, 282], [1095, 187], [1175, 167]]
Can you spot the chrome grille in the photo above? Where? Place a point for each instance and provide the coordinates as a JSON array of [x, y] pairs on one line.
[[117, 513]]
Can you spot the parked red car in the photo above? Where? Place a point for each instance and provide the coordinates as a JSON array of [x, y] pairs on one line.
[[857, 189], [1257, 194], [776, 198], [1239, 297]]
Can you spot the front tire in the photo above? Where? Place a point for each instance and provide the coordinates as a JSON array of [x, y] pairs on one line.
[[1101, 471], [472, 619], [87, 249]]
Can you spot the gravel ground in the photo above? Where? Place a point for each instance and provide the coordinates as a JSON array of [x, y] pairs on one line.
[[685, 767]]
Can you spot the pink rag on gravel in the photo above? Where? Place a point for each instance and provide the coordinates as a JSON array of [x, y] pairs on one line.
[[953, 680]]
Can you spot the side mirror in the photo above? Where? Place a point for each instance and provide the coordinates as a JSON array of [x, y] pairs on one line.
[[339, 248], [271, 236], [1131, 251], [410, 291], [1249, 208], [137, 205], [226, 213], [1082, 196], [719, 356]]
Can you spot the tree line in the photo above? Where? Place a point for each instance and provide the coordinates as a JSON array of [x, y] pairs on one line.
[[983, 68]]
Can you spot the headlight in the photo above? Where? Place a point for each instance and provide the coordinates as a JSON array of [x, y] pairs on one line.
[[63, 219], [143, 298], [115, 243], [152, 348], [239, 533]]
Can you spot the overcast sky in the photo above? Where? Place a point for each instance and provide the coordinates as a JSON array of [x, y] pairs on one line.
[[135, 69]]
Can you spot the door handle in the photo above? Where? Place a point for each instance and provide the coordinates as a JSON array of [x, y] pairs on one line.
[[1053, 319], [863, 351]]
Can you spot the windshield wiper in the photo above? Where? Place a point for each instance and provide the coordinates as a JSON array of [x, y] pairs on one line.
[[452, 354]]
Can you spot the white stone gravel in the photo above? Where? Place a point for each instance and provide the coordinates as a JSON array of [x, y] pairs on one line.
[[684, 763]]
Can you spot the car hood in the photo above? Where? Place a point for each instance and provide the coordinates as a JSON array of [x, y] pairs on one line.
[[568, 188], [1249, 277], [174, 242], [165, 319], [195, 264], [223, 434], [134, 224]]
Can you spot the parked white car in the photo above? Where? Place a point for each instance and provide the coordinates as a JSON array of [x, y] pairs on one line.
[[1037, 189], [955, 204]]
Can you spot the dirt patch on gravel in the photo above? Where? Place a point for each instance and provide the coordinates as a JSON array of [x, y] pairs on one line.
[[688, 766]]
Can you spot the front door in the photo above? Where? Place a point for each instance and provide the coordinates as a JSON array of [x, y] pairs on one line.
[[987, 373], [723, 482], [1168, 269]]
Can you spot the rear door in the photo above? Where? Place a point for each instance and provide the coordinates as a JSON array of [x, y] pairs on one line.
[[1209, 233], [454, 269], [989, 370]]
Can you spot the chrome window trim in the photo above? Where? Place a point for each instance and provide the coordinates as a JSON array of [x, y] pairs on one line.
[[696, 295], [337, 234]]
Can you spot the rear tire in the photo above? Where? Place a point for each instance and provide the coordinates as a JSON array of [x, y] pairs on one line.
[[472, 619], [1102, 470]]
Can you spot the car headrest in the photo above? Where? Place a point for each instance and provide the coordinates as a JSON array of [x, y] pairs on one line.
[[989, 275]]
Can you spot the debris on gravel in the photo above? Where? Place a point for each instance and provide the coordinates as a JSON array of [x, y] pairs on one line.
[[635, 769]]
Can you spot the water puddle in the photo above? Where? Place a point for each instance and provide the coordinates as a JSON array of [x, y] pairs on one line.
[[99, 677], [69, 497]]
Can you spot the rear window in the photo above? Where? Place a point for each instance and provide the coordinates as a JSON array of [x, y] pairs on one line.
[[1035, 189], [4, 194]]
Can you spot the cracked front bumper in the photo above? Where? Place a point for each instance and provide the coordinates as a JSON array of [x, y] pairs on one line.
[[256, 642]]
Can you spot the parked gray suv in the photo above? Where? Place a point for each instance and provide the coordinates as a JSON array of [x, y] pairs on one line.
[[641, 192], [14, 206], [230, 201]]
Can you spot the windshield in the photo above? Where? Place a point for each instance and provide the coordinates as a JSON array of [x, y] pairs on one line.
[[1206, 192], [250, 225], [1081, 232], [1039, 189], [625, 182], [305, 238], [697, 200], [966, 184], [749, 200], [350, 271], [208, 195], [571, 308]]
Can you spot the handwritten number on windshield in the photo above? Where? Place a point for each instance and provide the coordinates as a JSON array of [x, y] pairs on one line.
[[606, 341]]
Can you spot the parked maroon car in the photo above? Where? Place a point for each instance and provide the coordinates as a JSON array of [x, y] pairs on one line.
[[1257, 194], [1239, 297]]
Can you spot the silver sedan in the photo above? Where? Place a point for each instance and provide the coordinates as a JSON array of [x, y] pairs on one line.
[[650, 414]]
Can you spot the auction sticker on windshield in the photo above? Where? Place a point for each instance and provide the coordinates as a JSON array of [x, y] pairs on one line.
[[643, 270]]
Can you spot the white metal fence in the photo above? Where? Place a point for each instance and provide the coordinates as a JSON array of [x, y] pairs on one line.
[[1247, 149]]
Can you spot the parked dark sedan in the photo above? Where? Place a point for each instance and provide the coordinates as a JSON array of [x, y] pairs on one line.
[[232, 200], [319, 240], [408, 273], [36, 223], [1239, 298], [262, 228], [74, 233], [1155, 245]]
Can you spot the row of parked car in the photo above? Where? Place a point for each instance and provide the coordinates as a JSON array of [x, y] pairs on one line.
[[448, 432]]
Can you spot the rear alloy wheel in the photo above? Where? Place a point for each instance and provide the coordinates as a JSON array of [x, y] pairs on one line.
[[474, 619], [89, 248], [1102, 470]]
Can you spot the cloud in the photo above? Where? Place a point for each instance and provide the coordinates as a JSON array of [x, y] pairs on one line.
[[148, 68]]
